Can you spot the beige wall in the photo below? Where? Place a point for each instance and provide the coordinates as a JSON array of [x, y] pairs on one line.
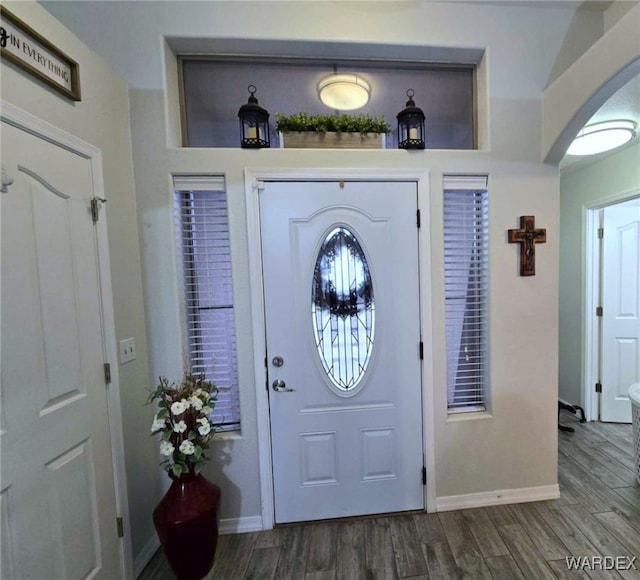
[[616, 11], [102, 119], [513, 446], [573, 98]]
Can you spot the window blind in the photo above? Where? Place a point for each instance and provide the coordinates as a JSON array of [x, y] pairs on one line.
[[466, 252], [203, 242]]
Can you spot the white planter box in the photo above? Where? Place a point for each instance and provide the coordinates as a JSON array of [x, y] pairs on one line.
[[328, 140]]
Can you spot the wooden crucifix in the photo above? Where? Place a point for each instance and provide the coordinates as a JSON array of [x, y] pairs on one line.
[[527, 236]]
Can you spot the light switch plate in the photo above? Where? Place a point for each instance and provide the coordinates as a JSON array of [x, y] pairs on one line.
[[127, 350]]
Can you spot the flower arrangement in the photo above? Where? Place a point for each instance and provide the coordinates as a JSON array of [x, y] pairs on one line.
[[183, 422]]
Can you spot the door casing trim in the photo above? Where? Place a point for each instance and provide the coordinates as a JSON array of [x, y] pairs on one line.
[[253, 177], [39, 128], [590, 325]]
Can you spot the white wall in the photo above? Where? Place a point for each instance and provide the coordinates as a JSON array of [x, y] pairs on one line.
[[572, 99], [513, 446], [608, 180], [509, 32], [102, 119], [586, 27]]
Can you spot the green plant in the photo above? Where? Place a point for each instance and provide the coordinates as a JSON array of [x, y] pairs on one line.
[[332, 123], [183, 422]]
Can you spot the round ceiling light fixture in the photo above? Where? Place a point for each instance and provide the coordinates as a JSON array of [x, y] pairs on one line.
[[344, 92], [601, 137]]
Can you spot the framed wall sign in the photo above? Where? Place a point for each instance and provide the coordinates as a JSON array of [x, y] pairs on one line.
[[24, 47]]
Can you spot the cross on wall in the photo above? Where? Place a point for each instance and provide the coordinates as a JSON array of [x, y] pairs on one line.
[[527, 236]]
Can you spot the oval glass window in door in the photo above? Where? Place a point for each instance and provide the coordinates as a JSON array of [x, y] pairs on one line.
[[343, 308]]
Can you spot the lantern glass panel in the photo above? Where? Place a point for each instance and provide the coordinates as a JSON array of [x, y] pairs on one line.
[[254, 126], [411, 133]]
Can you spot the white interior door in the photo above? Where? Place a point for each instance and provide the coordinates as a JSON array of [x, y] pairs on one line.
[[343, 334], [621, 309], [57, 488]]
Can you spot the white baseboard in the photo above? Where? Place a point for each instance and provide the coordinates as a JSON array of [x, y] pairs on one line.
[[498, 497], [145, 555], [241, 525]]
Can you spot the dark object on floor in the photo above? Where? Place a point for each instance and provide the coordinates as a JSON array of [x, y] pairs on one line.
[[187, 524], [572, 409]]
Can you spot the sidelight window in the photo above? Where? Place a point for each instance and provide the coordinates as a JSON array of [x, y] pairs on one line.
[[466, 257], [202, 226]]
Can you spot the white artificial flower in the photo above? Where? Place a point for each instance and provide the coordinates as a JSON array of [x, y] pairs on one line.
[[180, 427], [204, 428], [178, 408], [187, 447], [166, 448], [157, 424], [199, 392], [206, 409], [196, 403]]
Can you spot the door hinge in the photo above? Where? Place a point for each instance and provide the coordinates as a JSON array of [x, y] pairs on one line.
[[418, 218], [95, 208], [424, 475], [120, 527], [421, 347], [600, 233], [598, 387], [598, 310], [107, 373]]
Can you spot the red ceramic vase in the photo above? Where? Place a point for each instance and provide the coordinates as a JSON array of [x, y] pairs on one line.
[[187, 524]]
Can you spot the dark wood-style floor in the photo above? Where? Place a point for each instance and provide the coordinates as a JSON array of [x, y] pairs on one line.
[[598, 514]]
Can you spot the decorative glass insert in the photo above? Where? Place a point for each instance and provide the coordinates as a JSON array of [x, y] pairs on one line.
[[343, 309]]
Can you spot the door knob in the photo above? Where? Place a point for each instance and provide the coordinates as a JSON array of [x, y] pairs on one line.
[[280, 386]]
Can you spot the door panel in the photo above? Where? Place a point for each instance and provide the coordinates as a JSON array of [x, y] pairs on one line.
[[347, 440], [57, 485], [69, 484], [621, 309]]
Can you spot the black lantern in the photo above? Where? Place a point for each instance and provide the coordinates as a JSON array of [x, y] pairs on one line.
[[411, 125], [254, 123]]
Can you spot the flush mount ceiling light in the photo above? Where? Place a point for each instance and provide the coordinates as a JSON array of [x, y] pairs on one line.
[[344, 92], [601, 137]]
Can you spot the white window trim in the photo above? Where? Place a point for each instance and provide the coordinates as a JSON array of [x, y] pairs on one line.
[[25, 121], [195, 183], [471, 183]]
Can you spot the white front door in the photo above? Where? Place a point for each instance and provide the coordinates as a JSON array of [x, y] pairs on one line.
[[342, 310], [621, 308], [57, 489]]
